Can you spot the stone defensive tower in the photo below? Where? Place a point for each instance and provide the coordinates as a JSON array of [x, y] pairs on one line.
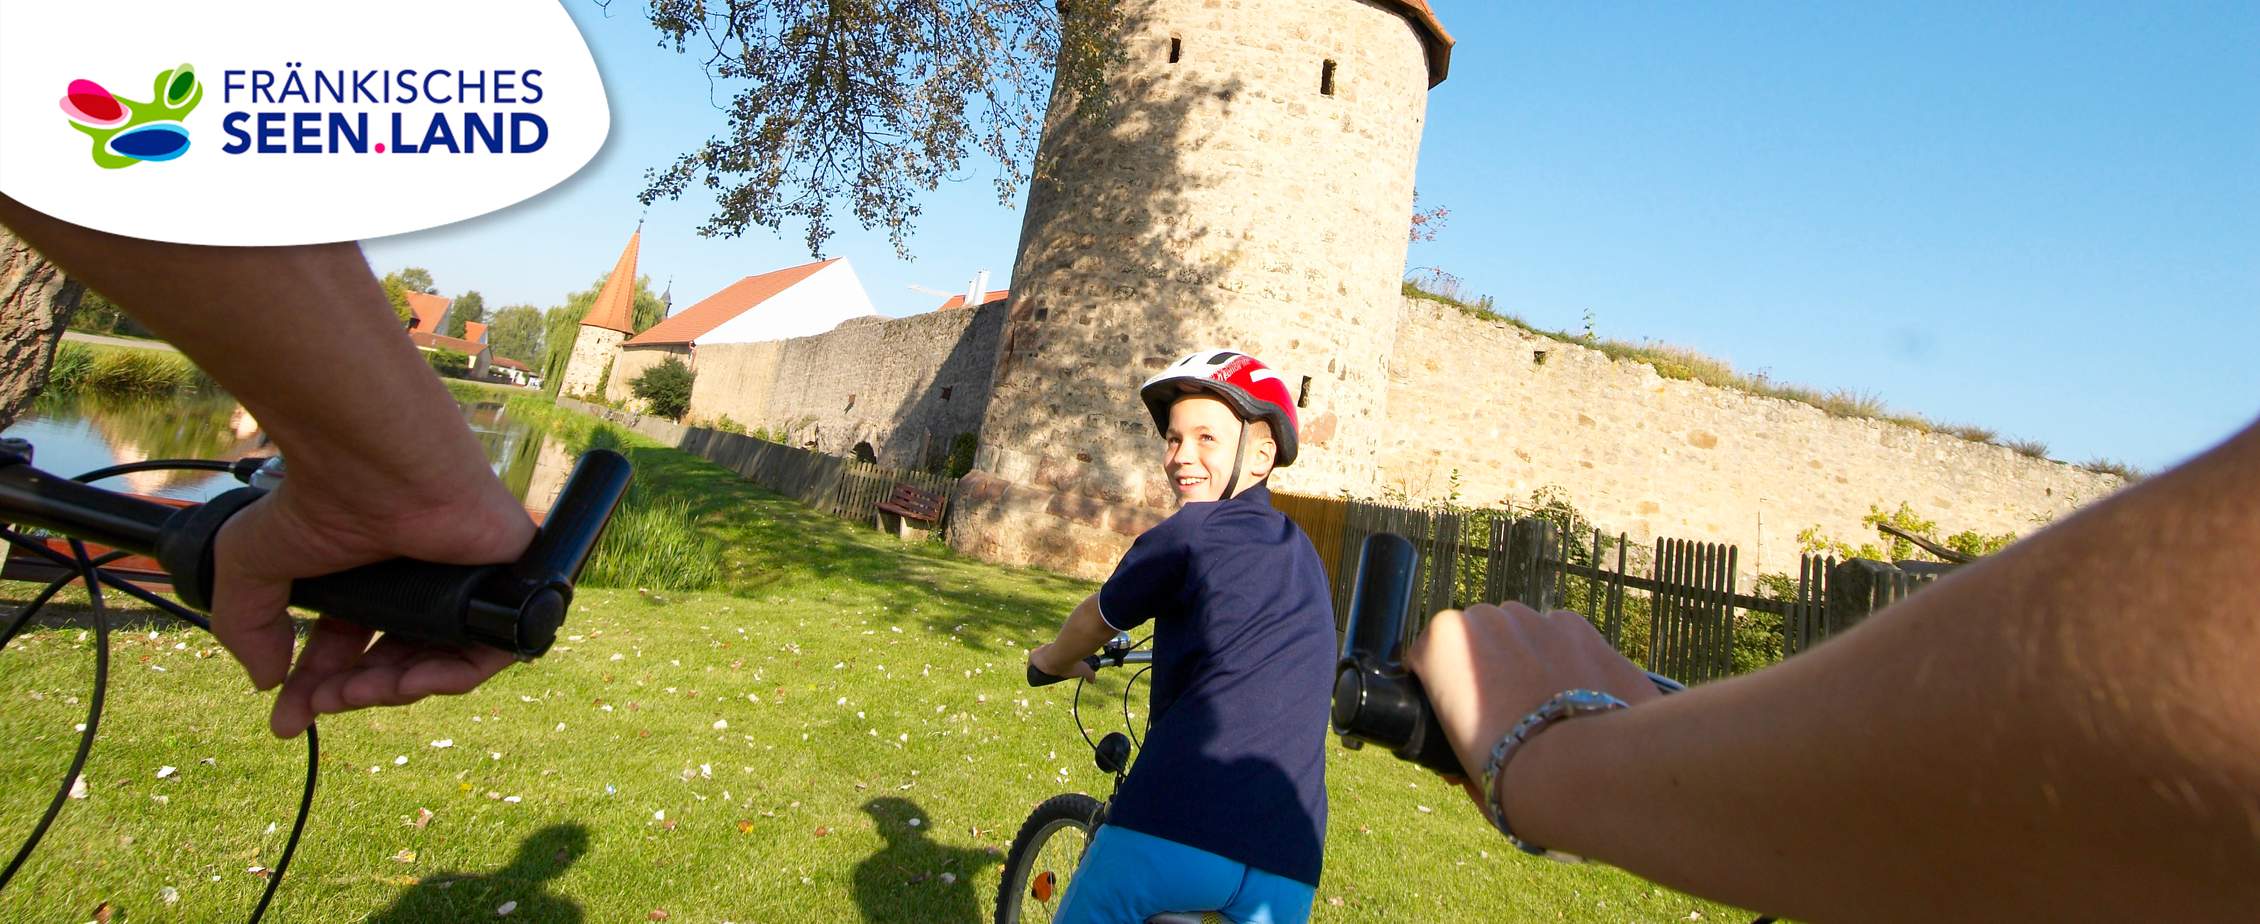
[[611, 320], [1250, 188]]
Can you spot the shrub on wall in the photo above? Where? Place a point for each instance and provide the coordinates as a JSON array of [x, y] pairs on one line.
[[666, 387]]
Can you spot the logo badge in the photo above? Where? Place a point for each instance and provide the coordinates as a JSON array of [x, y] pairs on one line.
[[126, 132]]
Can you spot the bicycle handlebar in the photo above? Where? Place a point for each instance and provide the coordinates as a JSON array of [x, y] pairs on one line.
[[1376, 698], [1111, 655], [516, 607]]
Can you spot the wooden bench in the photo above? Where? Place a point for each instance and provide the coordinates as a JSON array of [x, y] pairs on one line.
[[909, 503]]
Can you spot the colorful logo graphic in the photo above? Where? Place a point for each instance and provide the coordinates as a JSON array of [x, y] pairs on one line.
[[125, 132]]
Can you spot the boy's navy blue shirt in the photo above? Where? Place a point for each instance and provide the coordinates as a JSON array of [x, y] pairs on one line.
[[1244, 651]]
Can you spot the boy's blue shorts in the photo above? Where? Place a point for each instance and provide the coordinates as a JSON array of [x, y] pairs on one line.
[[1126, 876]]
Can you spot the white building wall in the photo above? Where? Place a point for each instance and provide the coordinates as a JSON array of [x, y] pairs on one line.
[[812, 306]]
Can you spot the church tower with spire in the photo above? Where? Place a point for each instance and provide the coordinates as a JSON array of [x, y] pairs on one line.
[[611, 319]]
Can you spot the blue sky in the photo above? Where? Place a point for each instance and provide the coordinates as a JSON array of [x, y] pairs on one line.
[[2044, 223]]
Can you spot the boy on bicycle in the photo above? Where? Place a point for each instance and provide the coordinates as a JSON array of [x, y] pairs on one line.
[[1225, 809]]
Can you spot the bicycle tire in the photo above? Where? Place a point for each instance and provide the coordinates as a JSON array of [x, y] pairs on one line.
[[1066, 811]]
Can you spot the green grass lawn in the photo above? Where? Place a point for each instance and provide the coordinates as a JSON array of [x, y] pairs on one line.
[[840, 733]]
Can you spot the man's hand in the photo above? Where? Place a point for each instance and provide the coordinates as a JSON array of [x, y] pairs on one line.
[[1486, 668], [308, 528], [1061, 662]]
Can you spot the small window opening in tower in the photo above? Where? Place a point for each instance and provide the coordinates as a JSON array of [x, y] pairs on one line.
[[1176, 49], [1302, 398], [1326, 79], [946, 392]]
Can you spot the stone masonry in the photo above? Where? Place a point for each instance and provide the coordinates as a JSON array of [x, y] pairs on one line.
[[1660, 457], [906, 386], [1252, 193], [595, 347]]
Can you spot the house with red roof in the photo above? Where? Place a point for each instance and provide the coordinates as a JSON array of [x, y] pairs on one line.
[[429, 314], [797, 301]]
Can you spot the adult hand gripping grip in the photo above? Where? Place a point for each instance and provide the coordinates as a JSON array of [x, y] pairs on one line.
[[516, 607]]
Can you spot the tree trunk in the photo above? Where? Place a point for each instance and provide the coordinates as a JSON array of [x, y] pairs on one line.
[[36, 301]]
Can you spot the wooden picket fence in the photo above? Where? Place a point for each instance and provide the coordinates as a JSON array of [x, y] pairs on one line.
[[1673, 605]]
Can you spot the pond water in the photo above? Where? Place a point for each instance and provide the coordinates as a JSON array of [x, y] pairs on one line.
[[83, 431]]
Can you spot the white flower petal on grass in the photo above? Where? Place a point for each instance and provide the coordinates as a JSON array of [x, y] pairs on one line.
[[78, 787], [660, 815], [444, 743], [560, 726], [168, 895], [720, 724], [400, 761], [513, 800], [505, 910], [165, 771]]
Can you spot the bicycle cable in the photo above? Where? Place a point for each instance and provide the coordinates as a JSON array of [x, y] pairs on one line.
[[89, 570]]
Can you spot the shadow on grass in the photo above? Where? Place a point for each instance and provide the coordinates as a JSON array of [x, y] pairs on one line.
[[771, 544], [914, 878], [468, 896]]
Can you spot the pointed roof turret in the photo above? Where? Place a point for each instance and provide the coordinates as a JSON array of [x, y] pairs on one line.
[[615, 306]]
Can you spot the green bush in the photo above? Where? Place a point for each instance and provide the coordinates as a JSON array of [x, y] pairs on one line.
[[961, 454], [449, 363], [726, 425], [74, 361], [653, 545], [665, 387], [129, 371]]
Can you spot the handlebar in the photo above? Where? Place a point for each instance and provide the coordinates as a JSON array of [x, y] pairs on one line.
[[1376, 699], [1117, 653], [516, 607]]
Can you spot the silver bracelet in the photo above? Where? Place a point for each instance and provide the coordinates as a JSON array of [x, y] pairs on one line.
[[1568, 704]]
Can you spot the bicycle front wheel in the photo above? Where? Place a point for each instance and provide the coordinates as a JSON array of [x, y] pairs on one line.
[[1044, 856]]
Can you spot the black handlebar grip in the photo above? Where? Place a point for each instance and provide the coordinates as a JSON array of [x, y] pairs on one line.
[[1037, 678], [1376, 699], [403, 596], [516, 607]]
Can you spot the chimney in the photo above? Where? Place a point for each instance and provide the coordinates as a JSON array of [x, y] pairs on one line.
[[980, 287]]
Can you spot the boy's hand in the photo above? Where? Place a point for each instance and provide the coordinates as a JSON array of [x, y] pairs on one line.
[[1053, 660]]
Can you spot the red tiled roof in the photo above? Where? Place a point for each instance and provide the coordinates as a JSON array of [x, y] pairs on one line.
[[429, 309], [474, 332], [444, 342], [615, 305], [508, 363], [689, 324], [1432, 36], [958, 301]]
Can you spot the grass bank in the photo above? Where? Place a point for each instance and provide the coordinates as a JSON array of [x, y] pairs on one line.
[[836, 731]]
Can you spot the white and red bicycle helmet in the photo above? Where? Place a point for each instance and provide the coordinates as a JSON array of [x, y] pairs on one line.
[[1242, 382]]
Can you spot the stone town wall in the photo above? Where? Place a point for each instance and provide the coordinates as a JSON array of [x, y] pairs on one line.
[[1661, 457], [906, 386], [1251, 193]]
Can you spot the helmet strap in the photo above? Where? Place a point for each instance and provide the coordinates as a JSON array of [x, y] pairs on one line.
[[1239, 454]]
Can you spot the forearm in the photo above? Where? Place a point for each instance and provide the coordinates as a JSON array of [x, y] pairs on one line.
[[2067, 729], [303, 336], [1084, 631]]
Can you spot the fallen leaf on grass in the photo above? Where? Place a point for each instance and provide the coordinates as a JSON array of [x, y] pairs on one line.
[[102, 913], [745, 826], [404, 856]]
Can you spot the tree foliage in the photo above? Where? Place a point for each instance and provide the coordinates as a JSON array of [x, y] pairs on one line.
[[516, 332], [666, 387], [469, 308], [397, 294], [415, 279], [873, 101]]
